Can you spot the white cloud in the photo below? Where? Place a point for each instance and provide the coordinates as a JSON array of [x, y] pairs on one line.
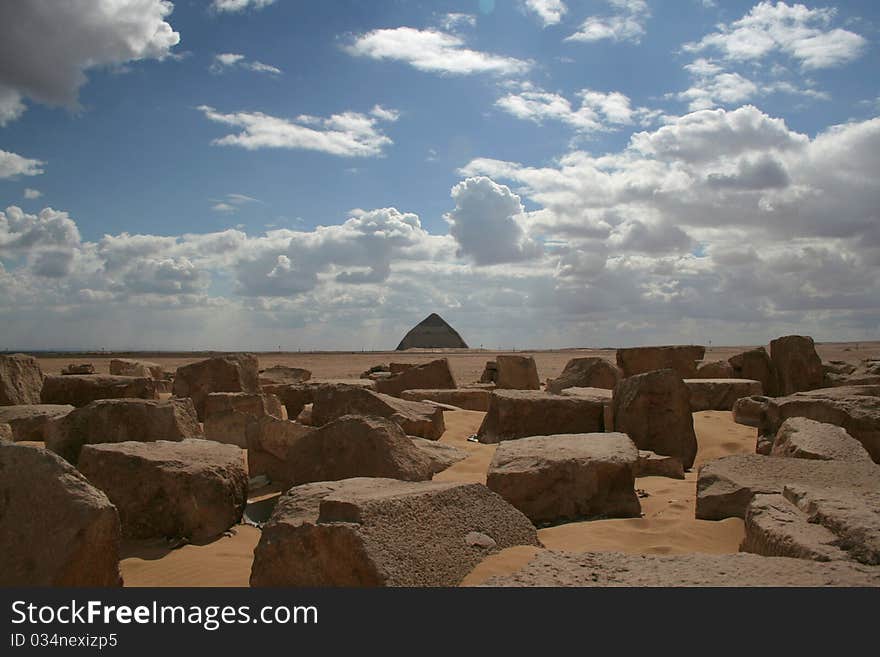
[[232, 202], [456, 21], [802, 33], [627, 23], [432, 51], [12, 164], [233, 6], [549, 11], [46, 47], [228, 60], [349, 134], [30, 193]]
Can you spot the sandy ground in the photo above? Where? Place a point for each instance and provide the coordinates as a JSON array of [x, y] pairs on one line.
[[667, 526]]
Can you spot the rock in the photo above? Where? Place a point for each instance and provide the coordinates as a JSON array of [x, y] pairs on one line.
[[553, 569], [517, 414], [517, 373], [79, 390], [801, 438], [293, 397], [598, 395], [231, 373], [193, 489], [467, 398], [227, 414], [55, 528], [78, 368], [657, 465], [441, 455], [434, 375], [720, 394], [840, 373], [122, 420], [138, 368], [376, 369], [6, 433], [756, 365], [305, 415], [398, 368], [490, 372], [654, 409], [20, 380], [798, 366], [855, 408], [725, 486], [269, 441], [567, 477], [715, 369], [32, 422], [283, 374], [416, 419], [639, 360], [383, 532], [749, 410], [432, 333], [585, 373]]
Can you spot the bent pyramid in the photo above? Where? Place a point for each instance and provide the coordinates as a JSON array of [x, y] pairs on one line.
[[432, 333]]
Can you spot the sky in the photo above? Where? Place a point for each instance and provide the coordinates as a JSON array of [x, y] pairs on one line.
[[265, 174]]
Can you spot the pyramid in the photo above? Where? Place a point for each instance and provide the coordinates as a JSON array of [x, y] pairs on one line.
[[432, 333]]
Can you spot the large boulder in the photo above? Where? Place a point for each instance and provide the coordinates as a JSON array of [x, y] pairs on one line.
[[78, 368], [55, 528], [20, 380], [822, 524], [755, 364], [585, 373], [749, 410], [654, 409], [79, 390], [432, 375], [554, 569], [269, 441], [726, 486], [799, 437], [517, 414], [469, 399], [567, 477], [651, 464], [517, 373], [715, 369], [33, 421], [293, 396], [230, 373], [122, 420], [415, 418], [681, 358], [228, 413], [798, 366], [441, 455], [283, 374], [720, 394], [599, 395], [194, 489], [855, 408], [139, 368], [384, 532]]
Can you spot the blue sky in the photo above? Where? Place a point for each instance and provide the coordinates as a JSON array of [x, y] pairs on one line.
[[244, 174]]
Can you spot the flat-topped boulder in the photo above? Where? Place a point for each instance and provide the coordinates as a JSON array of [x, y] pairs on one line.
[[755, 364], [815, 523], [567, 477], [469, 399], [195, 489], [517, 414], [726, 486], [855, 408], [590, 569], [720, 394], [715, 369], [269, 441], [440, 454], [78, 368], [599, 395], [431, 375], [654, 409], [416, 419], [227, 414], [139, 368], [20, 380], [516, 373], [32, 421], [229, 373], [658, 465], [122, 420], [283, 374], [79, 390], [799, 437], [56, 529], [749, 410], [384, 532], [681, 358], [585, 373], [797, 365]]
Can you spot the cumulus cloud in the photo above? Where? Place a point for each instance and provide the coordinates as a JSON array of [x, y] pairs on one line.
[[350, 134], [625, 23], [228, 60], [46, 47], [432, 51], [30, 193], [13, 164], [797, 31], [550, 12]]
